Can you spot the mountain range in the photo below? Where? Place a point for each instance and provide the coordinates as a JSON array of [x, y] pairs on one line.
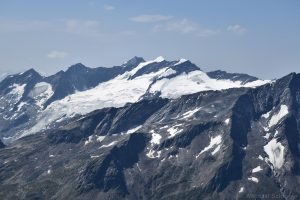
[[149, 130]]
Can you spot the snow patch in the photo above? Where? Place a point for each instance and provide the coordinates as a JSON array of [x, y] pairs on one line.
[[216, 150], [100, 138], [267, 136], [133, 130], [241, 189], [153, 154], [257, 169], [190, 113], [17, 91], [227, 121], [20, 106], [277, 117], [266, 129], [275, 151], [266, 115], [173, 131], [213, 142], [90, 139], [159, 59], [276, 133], [182, 60], [164, 127], [108, 145], [95, 156], [138, 166], [155, 138], [254, 179], [150, 154], [143, 64], [167, 72]]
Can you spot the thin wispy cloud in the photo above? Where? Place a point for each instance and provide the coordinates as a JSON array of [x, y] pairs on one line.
[[83, 27], [207, 32], [57, 54], [108, 7], [151, 18], [236, 29], [185, 26], [23, 25]]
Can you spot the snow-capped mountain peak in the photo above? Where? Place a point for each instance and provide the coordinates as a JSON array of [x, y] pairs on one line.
[[79, 67], [182, 60], [133, 62], [81, 89], [159, 59]]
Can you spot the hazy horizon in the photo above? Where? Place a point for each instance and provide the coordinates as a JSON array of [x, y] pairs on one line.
[[259, 38]]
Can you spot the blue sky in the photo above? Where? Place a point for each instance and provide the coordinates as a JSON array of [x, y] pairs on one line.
[[258, 37]]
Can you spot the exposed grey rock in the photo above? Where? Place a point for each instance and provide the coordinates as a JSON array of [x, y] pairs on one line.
[[200, 146], [219, 74]]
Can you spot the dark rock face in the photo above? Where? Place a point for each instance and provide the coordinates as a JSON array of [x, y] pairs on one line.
[[30, 76], [230, 144], [154, 67], [132, 63], [219, 74], [1, 145], [107, 121]]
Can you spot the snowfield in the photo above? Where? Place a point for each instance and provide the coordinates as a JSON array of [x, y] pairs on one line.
[[196, 81]]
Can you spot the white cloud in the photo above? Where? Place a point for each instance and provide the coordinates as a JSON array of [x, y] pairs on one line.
[[57, 54], [109, 7], [185, 26], [151, 18], [237, 29]]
